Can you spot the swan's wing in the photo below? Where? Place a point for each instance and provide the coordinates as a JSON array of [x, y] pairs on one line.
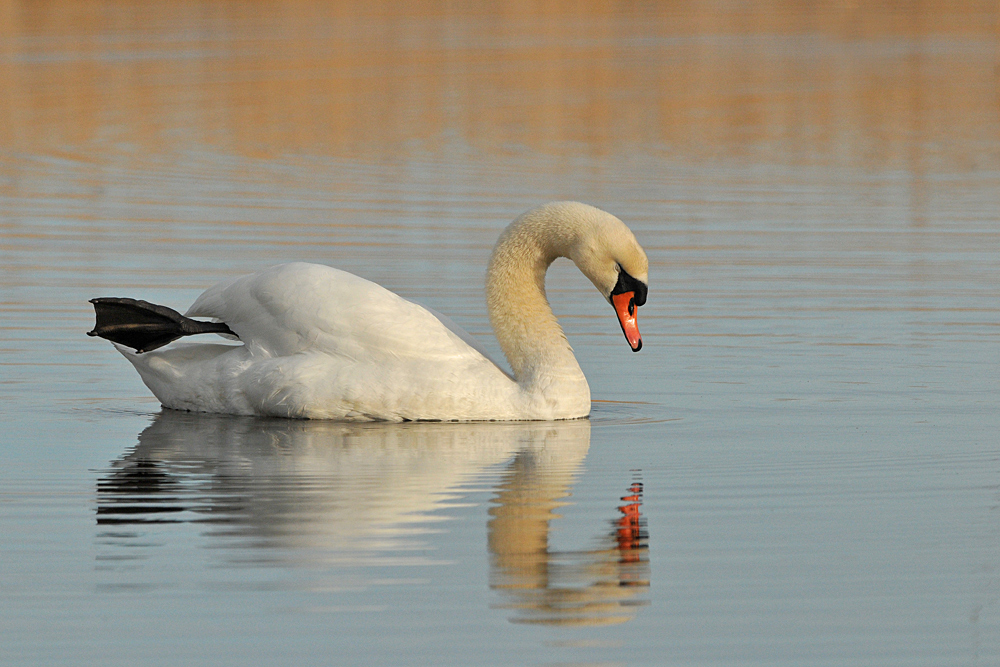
[[298, 307], [467, 337]]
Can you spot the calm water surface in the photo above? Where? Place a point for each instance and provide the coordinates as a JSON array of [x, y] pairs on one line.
[[801, 467]]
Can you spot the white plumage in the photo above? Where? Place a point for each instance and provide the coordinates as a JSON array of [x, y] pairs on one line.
[[318, 342]]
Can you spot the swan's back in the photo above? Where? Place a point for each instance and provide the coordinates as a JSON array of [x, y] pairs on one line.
[[294, 308]]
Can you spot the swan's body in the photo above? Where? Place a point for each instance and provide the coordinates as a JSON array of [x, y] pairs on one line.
[[322, 343]]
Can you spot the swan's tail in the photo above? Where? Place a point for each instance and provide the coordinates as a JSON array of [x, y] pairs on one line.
[[144, 326]]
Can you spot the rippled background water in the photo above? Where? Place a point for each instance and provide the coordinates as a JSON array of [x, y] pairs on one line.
[[802, 466]]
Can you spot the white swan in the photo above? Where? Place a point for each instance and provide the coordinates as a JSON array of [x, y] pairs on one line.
[[325, 344]]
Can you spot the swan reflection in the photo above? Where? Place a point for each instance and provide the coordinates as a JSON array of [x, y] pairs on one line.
[[582, 587], [314, 492]]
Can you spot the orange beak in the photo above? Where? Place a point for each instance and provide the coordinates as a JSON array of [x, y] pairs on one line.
[[624, 304]]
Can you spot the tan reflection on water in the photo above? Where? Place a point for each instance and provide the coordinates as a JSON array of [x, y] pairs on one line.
[[882, 84], [308, 493], [551, 587]]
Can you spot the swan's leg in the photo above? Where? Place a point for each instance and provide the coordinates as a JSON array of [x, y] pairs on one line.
[[144, 326]]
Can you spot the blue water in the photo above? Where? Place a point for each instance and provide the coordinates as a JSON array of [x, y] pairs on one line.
[[801, 466]]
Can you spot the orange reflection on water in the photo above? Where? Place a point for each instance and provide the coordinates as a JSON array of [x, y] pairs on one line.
[[851, 82]]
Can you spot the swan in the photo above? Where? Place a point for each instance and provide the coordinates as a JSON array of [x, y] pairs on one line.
[[320, 343]]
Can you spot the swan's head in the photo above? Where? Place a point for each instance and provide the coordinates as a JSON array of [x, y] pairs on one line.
[[606, 251]]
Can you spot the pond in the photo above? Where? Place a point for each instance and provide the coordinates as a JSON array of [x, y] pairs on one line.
[[800, 467]]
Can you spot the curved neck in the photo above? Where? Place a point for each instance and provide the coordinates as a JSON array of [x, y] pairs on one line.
[[525, 327]]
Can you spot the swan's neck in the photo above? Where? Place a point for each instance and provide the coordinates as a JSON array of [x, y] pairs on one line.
[[526, 328]]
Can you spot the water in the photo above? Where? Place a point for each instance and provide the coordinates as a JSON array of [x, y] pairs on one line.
[[800, 467]]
